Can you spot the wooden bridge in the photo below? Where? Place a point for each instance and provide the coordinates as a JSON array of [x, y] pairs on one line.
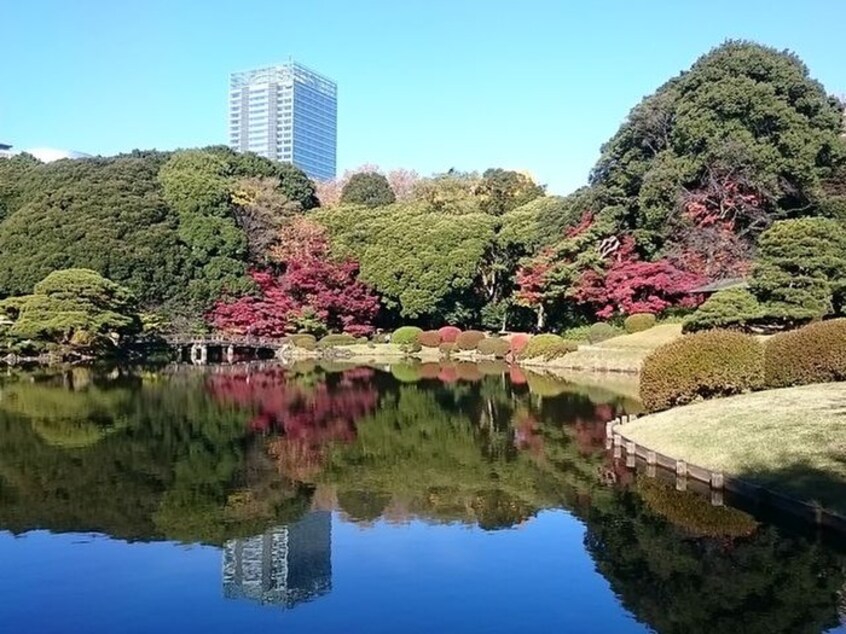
[[222, 345]]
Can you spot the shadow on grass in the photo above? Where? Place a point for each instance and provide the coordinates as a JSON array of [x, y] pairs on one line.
[[805, 482]]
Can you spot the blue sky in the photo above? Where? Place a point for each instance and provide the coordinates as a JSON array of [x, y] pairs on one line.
[[424, 84]]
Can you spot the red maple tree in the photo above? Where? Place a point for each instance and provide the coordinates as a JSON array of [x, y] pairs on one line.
[[631, 285], [311, 283]]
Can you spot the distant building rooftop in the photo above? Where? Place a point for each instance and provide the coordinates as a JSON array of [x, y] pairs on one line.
[[722, 285]]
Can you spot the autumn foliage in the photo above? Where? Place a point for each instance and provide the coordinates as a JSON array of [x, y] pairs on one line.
[[309, 284]]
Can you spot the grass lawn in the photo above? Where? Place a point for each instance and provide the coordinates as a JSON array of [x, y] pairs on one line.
[[621, 354], [791, 440]]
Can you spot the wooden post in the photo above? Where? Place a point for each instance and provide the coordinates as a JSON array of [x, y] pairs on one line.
[[651, 470], [631, 454], [651, 458], [609, 429], [717, 480], [230, 353], [717, 497], [681, 468], [681, 483]]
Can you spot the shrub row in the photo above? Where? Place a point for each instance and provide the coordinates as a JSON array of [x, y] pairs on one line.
[[429, 339], [701, 365], [406, 335], [722, 362], [815, 353], [469, 339]]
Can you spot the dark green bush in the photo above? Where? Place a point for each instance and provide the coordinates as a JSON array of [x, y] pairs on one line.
[[701, 365], [494, 346], [602, 331], [731, 308], [469, 339], [639, 322], [330, 341], [429, 339], [548, 347], [405, 335], [447, 348], [815, 353], [303, 340]]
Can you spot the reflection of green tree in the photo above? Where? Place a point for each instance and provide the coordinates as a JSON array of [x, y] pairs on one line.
[[70, 418], [449, 454], [173, 463], [767, 582]]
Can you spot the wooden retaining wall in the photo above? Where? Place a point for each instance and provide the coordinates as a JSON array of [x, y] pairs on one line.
[[706, 481]]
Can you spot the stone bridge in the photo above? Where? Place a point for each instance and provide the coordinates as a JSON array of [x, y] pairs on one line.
[[223, 345]]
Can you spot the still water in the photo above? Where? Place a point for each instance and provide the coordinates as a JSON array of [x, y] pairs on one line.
[[452, 498]]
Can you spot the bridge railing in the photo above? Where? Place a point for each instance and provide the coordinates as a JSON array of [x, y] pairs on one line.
[[246, 341]]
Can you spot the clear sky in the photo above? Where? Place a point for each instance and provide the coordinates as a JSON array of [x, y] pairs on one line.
[[424, 84]]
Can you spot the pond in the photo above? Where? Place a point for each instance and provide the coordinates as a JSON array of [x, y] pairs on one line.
[[325, 498]]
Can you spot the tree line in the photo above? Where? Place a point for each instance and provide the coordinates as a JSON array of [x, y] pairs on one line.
[[736, 168]]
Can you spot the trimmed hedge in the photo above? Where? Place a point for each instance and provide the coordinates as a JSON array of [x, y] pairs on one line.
[[548, 347], [406, 335], [639, 322], [731, 308], [303, 340], [518, 343], [702, 365], [601, 331], [429, 339], [494, 346], [815, 353], [449, 333], [330, 341], [447, 348], [469, 339]]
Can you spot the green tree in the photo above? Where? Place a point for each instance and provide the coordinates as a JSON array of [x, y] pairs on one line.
[[745, 132], [503, 190], [78, 307], [801, 269], [367, 188]]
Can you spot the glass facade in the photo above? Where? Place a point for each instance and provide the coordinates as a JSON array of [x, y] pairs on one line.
[[286, 113]]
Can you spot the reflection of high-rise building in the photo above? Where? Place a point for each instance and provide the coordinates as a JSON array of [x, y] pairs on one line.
[[285, 566]]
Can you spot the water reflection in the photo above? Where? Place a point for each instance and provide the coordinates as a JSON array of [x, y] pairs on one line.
[[260, 461], [284, 566]]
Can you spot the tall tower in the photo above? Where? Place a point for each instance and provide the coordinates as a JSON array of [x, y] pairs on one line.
[[286, 113]]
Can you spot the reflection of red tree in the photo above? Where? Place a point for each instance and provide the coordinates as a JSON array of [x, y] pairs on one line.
[[303, 418], [527, 433], [589, 432]]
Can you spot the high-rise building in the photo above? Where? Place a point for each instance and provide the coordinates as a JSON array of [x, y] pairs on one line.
[[286, 113], [287, 565]]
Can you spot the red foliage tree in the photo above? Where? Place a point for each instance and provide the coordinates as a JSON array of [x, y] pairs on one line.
[[311, 283], [631, 285]]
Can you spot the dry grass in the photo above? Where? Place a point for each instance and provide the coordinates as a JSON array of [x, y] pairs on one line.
[[619, 354], [793, 439]]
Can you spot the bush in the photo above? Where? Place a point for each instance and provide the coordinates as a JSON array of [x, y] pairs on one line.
[[639, 322], [602, 331], [815, 353], [429, 339], [405, 335], [469, 339], [447, 348], [449, 334], [518, 343], [702, 365], [330, 341], [731, 308], [494, 347], [380, 338], [304, 340], [577, 333], [412, 348], [548, 347]]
